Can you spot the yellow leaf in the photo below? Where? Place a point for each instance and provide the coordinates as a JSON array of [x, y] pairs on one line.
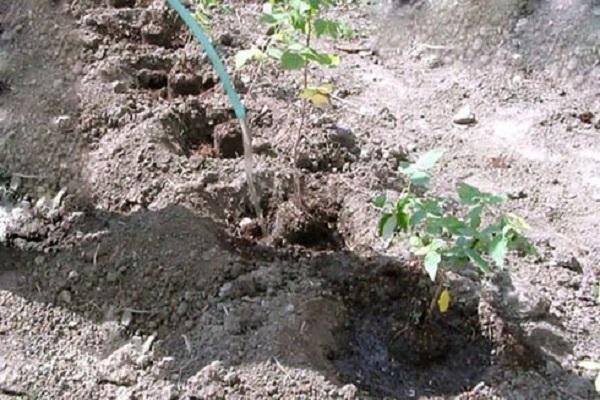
[[325, 88], [308, 93], [444, 301], [320, 100]]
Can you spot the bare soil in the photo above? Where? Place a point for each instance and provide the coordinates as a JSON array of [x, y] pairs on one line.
[[131, 262]]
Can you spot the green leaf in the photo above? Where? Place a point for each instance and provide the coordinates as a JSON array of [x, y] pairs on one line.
[[321, 58], [275, 53], [437, 244], [474, 217], [379, 200], [327, 27], [388, 229], [382, 220], [402, 217], [415, 242], [418, 171], [291, 60], [431, 262], [517, 223], [418, 178], [300, 6], [476, 258], [468, 194], [453, 225], [243, 56], [428, 160], [471, 195], [589, 364], [498, 250]]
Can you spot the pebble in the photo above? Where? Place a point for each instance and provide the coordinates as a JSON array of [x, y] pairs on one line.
[[182, 308], [65, 296], [464, 116], [226, 289], [126, 318], [73, 275]]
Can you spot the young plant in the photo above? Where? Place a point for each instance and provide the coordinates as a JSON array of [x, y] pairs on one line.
[[203, 14], [443, 236], [293, 26]]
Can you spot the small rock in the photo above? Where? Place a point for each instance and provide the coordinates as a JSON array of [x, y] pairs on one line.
[[63, 122], [433, 61], [343, 136], [57, 200], [65, 296], [182, 309], [147, 346], [348, 392], [226, 289], [143, 360], [117, 368], [572, 264], [464, 116], [231, 379], [73, 275], [156, 34], [245, 223], [126, 318], [119, 87], [586, 117]]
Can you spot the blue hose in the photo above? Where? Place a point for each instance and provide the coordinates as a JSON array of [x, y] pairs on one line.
[[190, 21]]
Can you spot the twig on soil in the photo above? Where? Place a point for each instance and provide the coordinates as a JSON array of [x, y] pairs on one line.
[[435, 46], [282, 369], [135, 311], [12, 392], [26, 176], [188, 345], [352, 50], [95, 258]]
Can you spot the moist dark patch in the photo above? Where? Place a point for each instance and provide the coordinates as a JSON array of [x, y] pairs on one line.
[[391, 348]]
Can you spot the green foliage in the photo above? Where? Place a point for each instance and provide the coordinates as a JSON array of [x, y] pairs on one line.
[[203, 12], [292, 25], [445, 237]]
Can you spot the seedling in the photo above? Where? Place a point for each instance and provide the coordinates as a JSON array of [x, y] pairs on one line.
[[443, 236], [293, 26]]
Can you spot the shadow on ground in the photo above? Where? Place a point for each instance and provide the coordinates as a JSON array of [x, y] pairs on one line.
[[354, 319]]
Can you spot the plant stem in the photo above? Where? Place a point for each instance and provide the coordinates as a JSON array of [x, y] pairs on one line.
[[300, 134]]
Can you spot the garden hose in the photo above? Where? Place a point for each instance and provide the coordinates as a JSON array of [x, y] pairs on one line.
[[234, 99], [194, 26]]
